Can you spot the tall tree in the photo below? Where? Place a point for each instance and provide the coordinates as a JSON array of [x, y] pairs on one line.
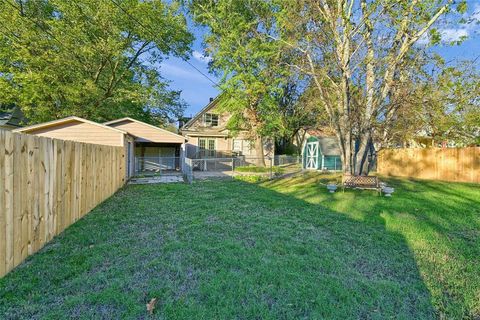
[[249, 62], [358, 53], [94, 59], [438, 107], [298, 104]]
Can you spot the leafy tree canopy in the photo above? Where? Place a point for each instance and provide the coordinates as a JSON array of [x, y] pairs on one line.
[[358, 55], [89, 58]]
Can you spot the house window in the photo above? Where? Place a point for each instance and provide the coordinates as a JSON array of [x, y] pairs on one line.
[[202, 143], [237, 145], [210, 119], [206, 147], [211, 144]]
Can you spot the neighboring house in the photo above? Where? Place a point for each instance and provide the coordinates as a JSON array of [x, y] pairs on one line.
[[208, 136], [155, 148], [11, 119], [82, 130], [320, 152]]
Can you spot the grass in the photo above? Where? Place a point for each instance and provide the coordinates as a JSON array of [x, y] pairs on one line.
[[256, 169], [279, 249]]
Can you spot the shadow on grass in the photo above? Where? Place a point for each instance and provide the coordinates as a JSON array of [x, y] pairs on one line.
[[440, 221], [222, 249]]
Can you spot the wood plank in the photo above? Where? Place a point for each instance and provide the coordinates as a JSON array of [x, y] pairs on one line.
[[57, 216], [67, 179], [9, 200], [3, 215], [42, 190], [52, 158], [18, 190], [30, 196]]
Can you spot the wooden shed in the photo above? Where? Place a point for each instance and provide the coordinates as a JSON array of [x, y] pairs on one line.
[[156, 150], [82, 130], [321, 153]]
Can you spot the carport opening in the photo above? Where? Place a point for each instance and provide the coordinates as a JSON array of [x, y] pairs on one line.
[[153, 158]]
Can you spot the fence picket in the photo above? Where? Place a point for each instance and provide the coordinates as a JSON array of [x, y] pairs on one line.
[[3, 226]]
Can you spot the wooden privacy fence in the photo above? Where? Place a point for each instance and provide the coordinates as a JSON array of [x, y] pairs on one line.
[[449, 164], [48, 184]]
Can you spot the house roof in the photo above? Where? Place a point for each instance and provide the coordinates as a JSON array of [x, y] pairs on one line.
[[62, 121], [13, 117], [209, 106], [141, 134], [320, 132]]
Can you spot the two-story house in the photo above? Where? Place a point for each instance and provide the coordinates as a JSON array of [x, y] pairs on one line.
[[208, 136]]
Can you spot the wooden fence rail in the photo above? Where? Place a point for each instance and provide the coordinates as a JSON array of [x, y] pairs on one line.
[[48, 184], [449, 164]]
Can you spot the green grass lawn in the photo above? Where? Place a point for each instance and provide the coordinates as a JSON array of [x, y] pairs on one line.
[[279, 249], [256, 169]]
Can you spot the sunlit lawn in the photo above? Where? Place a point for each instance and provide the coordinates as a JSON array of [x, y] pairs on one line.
[[274, 250]]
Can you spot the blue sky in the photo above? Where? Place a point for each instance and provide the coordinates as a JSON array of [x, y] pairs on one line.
[[196, 89]]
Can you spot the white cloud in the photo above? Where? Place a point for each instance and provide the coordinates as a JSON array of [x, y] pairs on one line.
[[424, 39], [466, 30], [200, 57], [449, 35]]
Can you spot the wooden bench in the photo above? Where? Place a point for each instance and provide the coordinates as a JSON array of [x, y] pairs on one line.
[[362, 182]]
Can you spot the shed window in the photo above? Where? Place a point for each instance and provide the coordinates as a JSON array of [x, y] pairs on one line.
[[210, 119]]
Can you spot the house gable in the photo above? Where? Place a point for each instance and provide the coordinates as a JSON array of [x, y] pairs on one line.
[[203, 123]]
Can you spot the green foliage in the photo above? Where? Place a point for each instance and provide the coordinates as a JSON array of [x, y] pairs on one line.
[[441, 107], [253, 72], [89, 58], [462, 7], [354, 57]]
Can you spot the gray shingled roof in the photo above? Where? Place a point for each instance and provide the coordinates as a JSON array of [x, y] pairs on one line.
[[13, 117], [329, 146]]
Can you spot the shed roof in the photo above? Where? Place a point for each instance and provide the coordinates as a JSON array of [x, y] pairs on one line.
[[54, 123], [145, 132], [329, 146]]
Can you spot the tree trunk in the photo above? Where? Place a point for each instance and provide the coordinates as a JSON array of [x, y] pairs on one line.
[[260, 157], [361, 154]]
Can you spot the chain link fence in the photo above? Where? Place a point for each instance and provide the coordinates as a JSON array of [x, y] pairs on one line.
[[241, 165], [157, 165]]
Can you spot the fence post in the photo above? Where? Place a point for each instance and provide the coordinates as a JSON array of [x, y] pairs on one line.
[[188, 170], [160, 165], [271, 168]]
